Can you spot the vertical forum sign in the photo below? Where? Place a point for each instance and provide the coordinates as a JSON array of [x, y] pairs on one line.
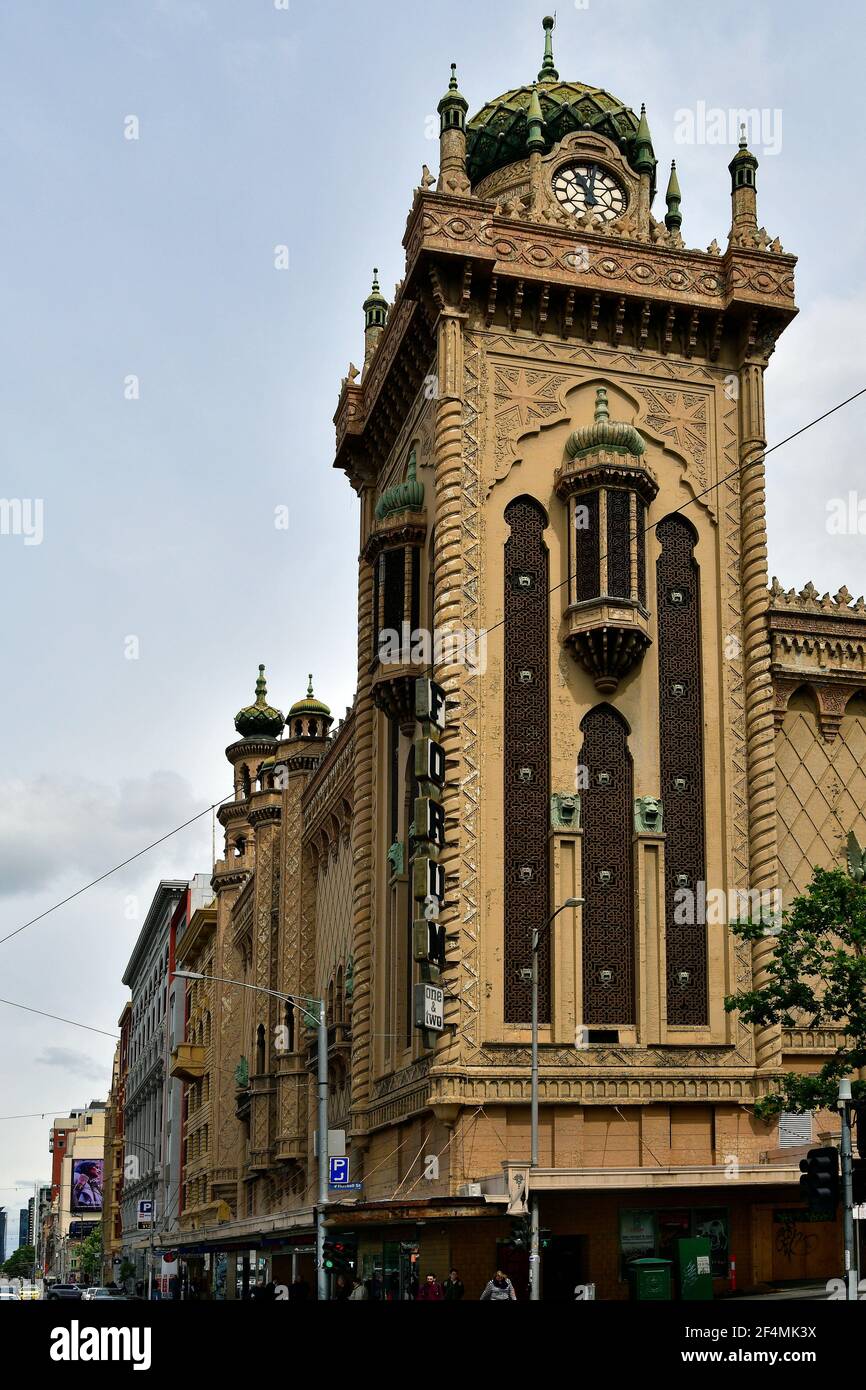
[[428, 875]]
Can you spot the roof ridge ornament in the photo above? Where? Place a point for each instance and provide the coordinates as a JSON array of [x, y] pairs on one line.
[[548, 71]]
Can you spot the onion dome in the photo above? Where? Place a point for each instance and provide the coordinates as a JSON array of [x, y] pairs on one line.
[[260, 719], [605, 433], [309, 717], [405, 496], [499, 133], [309, 704]]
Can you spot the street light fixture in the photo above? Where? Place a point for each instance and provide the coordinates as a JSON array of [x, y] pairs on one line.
[[534, 1257], [317, 1005]]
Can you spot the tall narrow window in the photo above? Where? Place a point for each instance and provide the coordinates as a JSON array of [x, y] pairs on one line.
[[608, 913], [682, 766], [526, 756]]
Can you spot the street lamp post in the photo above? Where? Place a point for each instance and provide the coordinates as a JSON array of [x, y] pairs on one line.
[[534, 1254], [156, 1158], [322, 1084]]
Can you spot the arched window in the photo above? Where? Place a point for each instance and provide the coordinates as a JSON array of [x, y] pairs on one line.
[[260, 1049], [338, 1001], [607, 803], [526, 753], [678, 600]]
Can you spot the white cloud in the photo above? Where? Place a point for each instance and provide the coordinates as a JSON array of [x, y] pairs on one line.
[[55, 830]]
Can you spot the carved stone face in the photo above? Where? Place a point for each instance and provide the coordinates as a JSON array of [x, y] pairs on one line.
[[651, 809]]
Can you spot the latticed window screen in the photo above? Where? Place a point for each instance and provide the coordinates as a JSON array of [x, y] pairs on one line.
[[608, 913], [526, 756], [586, 547], [641, 551], [618, 544], [682, 767], [392, 579]]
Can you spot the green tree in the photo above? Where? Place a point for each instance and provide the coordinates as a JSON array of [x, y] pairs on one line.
[[91, 1253], [20, 1264], [817, 976]]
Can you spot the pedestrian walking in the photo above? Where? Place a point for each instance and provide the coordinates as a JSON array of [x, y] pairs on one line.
[[500, 1289], [452, 1289], [358, 1292], [430, 1291]]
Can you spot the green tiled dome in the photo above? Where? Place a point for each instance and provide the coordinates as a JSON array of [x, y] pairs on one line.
[[259, 719], [498, 134], [309, 705], [408, 494], [605, 433]]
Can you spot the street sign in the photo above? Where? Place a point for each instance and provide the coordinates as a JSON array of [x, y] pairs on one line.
[[145, 1213], [430, 1007], [338, 1172]]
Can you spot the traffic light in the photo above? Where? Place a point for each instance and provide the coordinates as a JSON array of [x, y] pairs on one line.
[[820, 1181], [336, 1256]]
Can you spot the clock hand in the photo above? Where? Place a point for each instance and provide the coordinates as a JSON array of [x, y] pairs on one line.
[[591, 199]]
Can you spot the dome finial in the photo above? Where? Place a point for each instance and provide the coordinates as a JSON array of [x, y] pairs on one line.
[[743, 142], [601, 410], [261, 686], [310, 686], [548, 72], [452, 85]]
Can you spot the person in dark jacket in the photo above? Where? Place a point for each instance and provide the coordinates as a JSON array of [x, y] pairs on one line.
[[500, 1289], [430, 1291], [452, 1289]]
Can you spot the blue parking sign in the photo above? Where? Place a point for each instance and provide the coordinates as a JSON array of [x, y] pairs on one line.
[[339, 1172]]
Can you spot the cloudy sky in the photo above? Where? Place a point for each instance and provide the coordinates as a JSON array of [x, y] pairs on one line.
[[165, 387]]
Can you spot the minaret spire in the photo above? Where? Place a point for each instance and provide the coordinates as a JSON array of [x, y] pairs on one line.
[[375, 317], [673, 217], [548, 72], [452, 139], [744, 198]]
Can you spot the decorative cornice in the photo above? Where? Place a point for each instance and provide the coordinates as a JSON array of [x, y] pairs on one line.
[[470, 227]]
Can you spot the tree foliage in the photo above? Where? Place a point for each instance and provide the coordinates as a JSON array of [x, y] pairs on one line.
[[816, 979], [20, 1263], [91, 1253]]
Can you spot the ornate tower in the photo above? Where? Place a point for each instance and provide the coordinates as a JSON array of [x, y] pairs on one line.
[[576, 397]]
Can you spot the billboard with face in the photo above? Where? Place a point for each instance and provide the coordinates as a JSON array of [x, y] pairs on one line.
[[87, 1184]]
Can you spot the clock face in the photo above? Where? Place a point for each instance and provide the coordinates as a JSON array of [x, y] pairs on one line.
[[590, 188]]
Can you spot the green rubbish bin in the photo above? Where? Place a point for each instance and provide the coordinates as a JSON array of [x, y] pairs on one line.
[[650, 1280]]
